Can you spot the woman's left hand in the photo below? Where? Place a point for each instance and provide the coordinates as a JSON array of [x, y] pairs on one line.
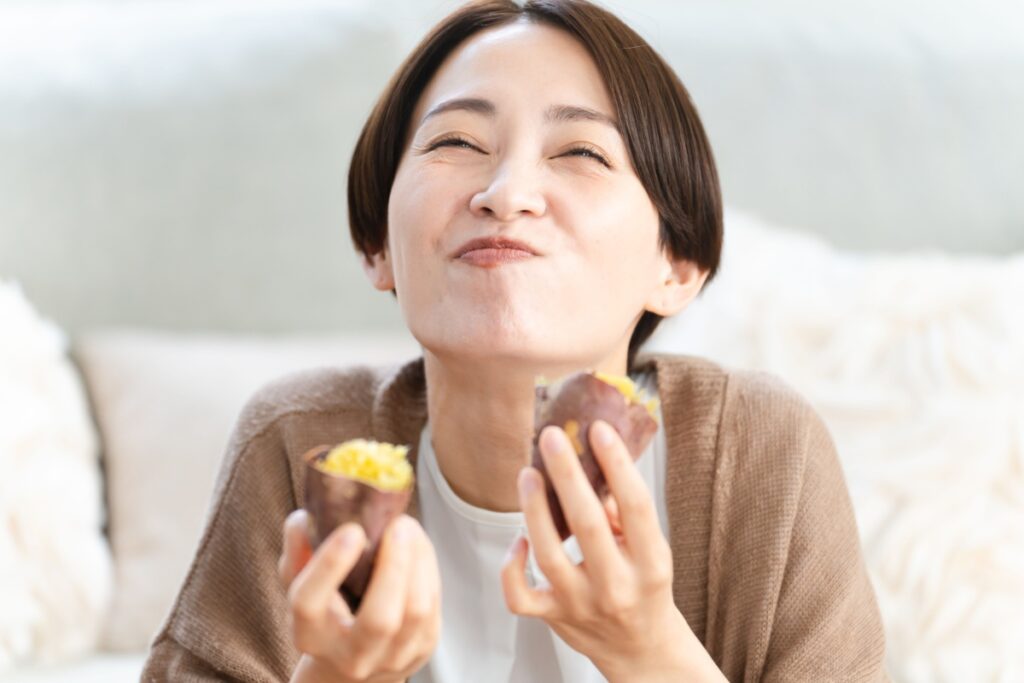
[[616, 606]]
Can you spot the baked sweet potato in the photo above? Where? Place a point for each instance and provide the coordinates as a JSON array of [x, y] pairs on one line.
[[573, 404], [362, 481]]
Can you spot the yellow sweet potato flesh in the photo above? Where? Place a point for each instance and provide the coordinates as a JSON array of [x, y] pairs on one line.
[[630, 391], [382, 465]]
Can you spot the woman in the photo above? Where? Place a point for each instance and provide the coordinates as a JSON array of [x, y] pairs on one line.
[[536, 189]]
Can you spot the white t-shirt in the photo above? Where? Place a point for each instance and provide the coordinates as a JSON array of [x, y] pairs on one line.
[[480, 639]]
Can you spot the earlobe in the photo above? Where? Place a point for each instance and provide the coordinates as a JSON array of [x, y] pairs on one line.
[[681, 283], [378, 270]]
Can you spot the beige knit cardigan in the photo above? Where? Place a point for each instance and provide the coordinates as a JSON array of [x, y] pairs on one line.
[[768, 569]]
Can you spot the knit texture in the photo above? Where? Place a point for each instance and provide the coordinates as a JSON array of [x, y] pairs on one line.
[[768, 569]]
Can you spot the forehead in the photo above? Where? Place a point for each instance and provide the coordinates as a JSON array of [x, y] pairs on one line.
[[521, 63]]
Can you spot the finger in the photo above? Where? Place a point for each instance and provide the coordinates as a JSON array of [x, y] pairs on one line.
[[519, 597], [547, 546], [297, 550], [422, 607], [314, 592], [383, 606], [584, 513], [637, 515]]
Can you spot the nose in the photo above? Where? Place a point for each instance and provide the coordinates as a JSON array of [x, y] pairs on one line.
[[514, 191]]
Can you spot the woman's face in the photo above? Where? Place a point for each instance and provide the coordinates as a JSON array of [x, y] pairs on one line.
[[533, 156]]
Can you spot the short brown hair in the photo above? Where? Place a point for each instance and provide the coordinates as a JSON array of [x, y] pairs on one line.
[[663, 134]]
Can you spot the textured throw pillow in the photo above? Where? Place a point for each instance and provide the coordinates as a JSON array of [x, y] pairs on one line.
[[166, 404], [916, 362], [55, 571]]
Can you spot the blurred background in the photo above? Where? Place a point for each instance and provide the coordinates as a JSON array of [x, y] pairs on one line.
[[173, 234]]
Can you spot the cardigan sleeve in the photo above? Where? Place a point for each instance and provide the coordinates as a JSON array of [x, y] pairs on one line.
[[169, 661], [229, 619], [826, 625], [789, 597]]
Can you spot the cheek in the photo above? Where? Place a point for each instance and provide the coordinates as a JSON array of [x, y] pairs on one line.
[[619, 230], [417, 215], [406, 201], [425, 196]]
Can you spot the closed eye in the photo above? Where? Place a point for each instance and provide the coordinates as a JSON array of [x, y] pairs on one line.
[[580, 150], [584, 151], [453, 142]]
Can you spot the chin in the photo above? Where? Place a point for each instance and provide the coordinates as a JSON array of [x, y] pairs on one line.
[[510, 351], [505, 338]]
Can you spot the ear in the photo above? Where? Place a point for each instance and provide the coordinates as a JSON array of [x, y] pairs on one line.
[[681, 281], [378, 270]]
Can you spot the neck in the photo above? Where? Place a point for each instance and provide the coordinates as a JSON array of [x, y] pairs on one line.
[[481, 420]]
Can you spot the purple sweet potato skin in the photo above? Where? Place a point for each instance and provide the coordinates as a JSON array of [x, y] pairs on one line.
[[584, 398], [332, 500]]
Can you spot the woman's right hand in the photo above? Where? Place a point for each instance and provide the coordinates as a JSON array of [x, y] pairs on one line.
[[399, 620]]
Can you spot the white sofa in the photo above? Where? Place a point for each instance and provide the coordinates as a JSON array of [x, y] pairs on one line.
[[172, 199]]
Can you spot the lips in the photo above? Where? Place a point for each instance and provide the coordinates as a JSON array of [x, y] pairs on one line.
[[496, 246], [492, 258]]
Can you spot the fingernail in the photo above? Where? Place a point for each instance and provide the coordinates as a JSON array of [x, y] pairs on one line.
[[513, 549], [602, 433], [549, 439], [347, 537], [527, 482], [403, 530]]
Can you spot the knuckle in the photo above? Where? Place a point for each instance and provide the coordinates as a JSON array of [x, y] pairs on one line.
[[301, 637], [514, 603], [659, 570], [420, 610], [591, 529], [380, 627], [356, 669], [302, 613], [546, 563], [301, 625], [393, 667], [635, 506], [303, 643], [660, 576], [363, 671], [616, 600], [327, 555]]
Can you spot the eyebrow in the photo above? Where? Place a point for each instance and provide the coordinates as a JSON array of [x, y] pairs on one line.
[[554, 113]]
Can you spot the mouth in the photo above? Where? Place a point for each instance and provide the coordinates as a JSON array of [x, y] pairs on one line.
[[489, 252], [491, 257]]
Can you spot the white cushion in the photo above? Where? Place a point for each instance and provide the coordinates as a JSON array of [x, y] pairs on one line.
[[166, 404], [915, 362], [54, 562], [99, 667]]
